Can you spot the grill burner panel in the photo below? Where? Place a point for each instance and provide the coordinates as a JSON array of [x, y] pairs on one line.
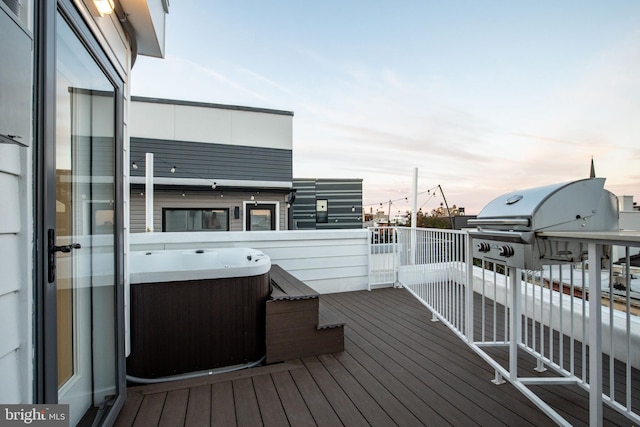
[[507, 226]]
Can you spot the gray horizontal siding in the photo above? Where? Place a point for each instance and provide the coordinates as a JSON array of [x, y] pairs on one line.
[[212, 161], [94, 156], [197, 200], [341, 194]]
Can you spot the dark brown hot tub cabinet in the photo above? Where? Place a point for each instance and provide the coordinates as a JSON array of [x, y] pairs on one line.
[[189, 326]]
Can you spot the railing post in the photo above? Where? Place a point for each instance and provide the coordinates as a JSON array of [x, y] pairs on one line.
[[595, 335], [515, 322], [369, 256], [396, 254], [468, 256]]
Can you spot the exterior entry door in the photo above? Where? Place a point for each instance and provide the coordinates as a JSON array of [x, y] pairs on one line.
[[83, 243], [260, 216]]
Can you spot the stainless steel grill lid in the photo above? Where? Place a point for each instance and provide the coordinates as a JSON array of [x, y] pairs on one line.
[[508, 227], [570, 206]]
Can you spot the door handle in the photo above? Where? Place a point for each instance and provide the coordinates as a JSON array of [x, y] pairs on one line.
[[66, 248], [51, 240]]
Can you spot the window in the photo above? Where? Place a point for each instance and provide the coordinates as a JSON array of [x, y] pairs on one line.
[[322, 211], [199, 219]]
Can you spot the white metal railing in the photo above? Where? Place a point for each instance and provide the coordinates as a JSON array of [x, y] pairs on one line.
[[432, 266], [545, 315]]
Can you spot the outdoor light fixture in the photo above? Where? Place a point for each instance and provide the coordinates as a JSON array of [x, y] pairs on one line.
[[134, 165], [173, 169], [104, 7], [253, 197], [221, 195], [353, 208], [214, 185]]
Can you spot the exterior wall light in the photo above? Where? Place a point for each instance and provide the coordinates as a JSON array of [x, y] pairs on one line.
[[104, 7], [173, 169]]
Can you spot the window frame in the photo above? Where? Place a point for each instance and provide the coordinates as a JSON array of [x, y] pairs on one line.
[[248, 205], [322, 216], [224, 226]]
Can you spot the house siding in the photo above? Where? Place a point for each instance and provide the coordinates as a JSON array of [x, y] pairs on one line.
[[342, 195], [212, 161], [15, 293], [197, 198]]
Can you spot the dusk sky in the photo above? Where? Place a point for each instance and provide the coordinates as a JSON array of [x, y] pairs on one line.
[[483, 97]]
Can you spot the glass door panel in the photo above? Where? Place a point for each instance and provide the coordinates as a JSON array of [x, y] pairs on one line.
[[261, 217], [85, 193]]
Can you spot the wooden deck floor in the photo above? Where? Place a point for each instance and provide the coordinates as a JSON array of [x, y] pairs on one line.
[[398, 368]]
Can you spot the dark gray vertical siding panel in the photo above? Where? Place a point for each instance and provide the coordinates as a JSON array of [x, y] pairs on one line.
[[208, 161]]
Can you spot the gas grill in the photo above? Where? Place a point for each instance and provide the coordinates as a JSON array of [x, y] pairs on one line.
[[509, 228]]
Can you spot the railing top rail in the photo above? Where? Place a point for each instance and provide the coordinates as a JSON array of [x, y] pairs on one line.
[[440, 230], [630, 238]]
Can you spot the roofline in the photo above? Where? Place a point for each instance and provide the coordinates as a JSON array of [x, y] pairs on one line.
[[209, 105]]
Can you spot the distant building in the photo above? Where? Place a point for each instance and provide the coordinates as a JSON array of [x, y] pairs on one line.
[[326, 204], [629, 213], [216, 167]]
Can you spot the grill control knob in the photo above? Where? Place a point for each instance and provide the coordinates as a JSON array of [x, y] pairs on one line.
[[483, 247], [505, 251]]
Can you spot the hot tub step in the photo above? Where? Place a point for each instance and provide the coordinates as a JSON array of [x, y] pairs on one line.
[[297, 323], [311, 343]]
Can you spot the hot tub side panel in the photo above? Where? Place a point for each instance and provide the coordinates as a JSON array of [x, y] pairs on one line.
[[189, 326]]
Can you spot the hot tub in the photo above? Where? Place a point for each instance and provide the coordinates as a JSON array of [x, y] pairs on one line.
[[196, 310]]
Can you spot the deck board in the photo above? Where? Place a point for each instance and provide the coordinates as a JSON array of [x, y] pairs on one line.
[[360, 396], [271, 408], [398, 368], [430, 374], [418, 380], [298, 413], [174, 410], [247, 409], [199, 406], [337, 398], [150, 410], [321, 410], [223, 408]]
